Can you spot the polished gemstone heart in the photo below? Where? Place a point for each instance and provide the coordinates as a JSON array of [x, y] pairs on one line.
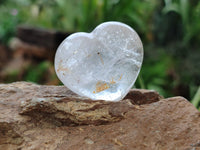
[[101, 65]]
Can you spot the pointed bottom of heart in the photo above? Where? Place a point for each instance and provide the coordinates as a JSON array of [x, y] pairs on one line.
[[52, 117]]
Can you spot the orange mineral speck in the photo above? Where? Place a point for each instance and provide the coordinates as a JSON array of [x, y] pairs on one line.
[[100, 58], [120, 77], [112, 81], [60, 68], [101, 87]]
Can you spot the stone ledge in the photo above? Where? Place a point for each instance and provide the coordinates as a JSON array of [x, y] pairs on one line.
[[52, 117]]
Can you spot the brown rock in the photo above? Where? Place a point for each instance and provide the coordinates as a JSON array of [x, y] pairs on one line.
[[52, 117], [41, 37], [5, 55], [30, 51]]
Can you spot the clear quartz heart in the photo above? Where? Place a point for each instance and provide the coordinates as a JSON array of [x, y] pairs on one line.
[[101, 65]]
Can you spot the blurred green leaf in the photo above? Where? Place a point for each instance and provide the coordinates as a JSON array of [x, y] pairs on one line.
[[196, 100], [34, 73]]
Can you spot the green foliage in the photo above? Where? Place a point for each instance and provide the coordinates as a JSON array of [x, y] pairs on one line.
[[8, 22], [177, 28], [154, 75], [12, 76], [36, 72], [196, 100], [190, 14], [136, 13], [83, 15]]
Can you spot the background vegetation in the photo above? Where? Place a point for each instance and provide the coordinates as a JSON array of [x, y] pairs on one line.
[[169, 29]]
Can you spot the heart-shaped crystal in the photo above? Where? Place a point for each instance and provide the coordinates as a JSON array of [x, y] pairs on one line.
[[101, 65]]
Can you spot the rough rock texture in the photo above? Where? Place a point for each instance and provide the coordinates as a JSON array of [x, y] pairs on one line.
[[34, 117]]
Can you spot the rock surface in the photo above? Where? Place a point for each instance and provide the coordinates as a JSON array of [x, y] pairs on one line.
[[36, 117]]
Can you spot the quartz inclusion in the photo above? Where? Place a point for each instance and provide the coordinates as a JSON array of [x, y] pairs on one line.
[[101, 65]]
